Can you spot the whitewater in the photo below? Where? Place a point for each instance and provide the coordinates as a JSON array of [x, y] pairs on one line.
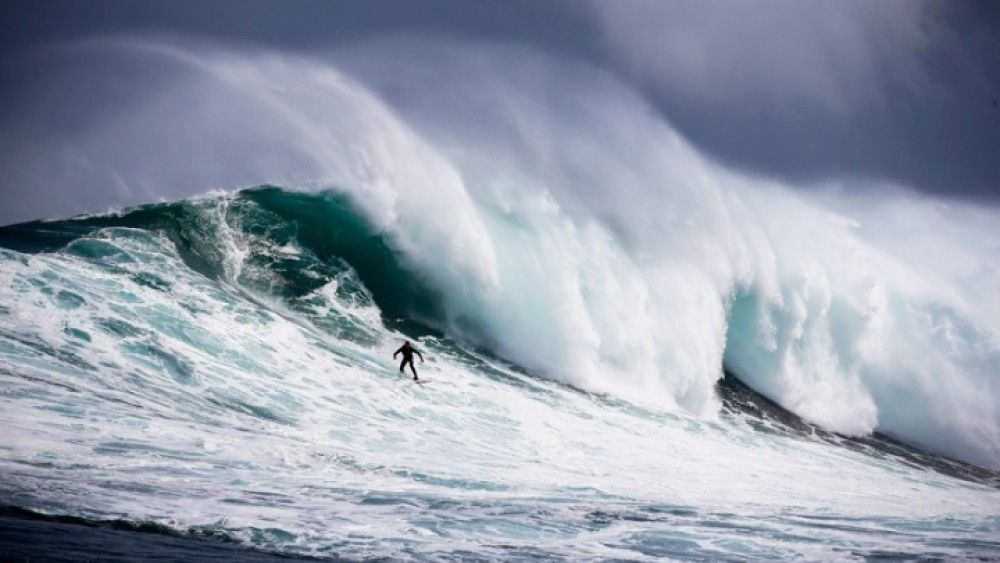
[[633, 351]]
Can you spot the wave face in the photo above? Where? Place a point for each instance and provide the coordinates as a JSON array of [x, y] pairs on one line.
[[219, 368]]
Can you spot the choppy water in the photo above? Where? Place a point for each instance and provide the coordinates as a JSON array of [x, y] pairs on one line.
[[222, 368]]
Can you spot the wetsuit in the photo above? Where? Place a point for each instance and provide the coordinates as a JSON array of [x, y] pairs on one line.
[[407, 350]]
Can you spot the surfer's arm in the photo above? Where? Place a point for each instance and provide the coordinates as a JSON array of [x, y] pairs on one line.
[[396, 353], [417, 352]]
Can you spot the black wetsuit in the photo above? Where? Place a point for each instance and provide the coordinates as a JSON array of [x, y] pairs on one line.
[[408, 351]]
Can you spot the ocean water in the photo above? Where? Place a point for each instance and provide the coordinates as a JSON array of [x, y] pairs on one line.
[[219, 370]]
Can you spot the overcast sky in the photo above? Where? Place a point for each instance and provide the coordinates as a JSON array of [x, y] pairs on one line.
[[898, 91]]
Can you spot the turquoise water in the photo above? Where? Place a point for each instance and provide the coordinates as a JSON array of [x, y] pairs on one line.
[[222, 368]]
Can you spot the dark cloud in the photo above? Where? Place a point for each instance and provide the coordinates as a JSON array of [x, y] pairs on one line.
[[805, 91], [898, 90], [301, 23]]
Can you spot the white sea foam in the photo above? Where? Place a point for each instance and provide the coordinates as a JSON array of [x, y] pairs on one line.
[[199, 408]]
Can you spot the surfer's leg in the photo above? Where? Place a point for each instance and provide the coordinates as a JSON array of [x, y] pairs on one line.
[[402, 365], [413, 369]]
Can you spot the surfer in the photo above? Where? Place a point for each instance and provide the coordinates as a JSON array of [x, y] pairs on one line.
[[408, 351]]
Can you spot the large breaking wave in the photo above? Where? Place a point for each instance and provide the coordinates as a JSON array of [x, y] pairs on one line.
[[541, 209], [219, 368]]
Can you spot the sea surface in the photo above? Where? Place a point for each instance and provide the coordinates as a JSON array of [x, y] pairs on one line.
[[212, 379]]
